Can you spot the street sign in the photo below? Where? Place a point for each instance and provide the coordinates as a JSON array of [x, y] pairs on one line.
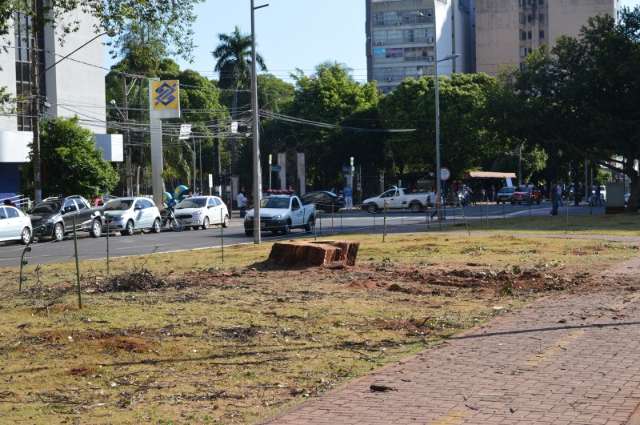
[[445, 174], [185, 131], [276, 168], [234, 127]]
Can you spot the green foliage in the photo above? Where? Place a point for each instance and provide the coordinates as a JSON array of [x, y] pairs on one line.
[[332, 96], [274, 94], [467, 134], [169, 20], [6, 101], [581, 101], [233, 60], [71, 161]]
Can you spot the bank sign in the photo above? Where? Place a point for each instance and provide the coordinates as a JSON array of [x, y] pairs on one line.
[[165, 98]]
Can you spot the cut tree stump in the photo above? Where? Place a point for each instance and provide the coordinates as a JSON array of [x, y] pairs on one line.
[[314, 254]]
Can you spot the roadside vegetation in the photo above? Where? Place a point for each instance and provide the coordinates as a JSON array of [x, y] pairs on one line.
[[184, 338]]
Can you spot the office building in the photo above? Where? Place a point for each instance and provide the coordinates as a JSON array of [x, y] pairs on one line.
[[73, 87], [402, 36], [506, 31]]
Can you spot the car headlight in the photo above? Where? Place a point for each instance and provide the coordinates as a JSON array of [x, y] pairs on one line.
[[276, 217]]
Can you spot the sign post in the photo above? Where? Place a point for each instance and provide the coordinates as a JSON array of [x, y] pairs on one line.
[[164, 103]]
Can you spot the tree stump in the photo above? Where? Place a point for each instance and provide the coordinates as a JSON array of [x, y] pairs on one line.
[[314, 254]]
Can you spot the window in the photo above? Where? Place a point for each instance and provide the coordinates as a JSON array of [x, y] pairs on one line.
[[82, 205], [523, 35], [295, 205], [394, 53], [389, 194], [529, 18], [3, 214], [529, 35], [70, 206], [541, 2], [12, 213], [541, 35], [541, 18]]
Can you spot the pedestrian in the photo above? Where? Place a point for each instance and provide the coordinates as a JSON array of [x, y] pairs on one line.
[[242, 203], [556, 197], [598, 196], [348, 197]]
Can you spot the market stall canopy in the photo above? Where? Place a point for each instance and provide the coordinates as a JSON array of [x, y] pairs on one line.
[[491, 175]]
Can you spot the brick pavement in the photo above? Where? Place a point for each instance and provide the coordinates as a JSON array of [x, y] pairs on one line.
[[570, 359]]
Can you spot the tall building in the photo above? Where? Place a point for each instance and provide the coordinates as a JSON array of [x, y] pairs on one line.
[[402, 36], [508, 30], [73, 87]]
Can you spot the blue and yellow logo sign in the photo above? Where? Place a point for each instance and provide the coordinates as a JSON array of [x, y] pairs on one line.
[[165, 95]]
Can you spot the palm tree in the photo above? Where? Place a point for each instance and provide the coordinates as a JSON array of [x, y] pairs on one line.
[[233, 56]]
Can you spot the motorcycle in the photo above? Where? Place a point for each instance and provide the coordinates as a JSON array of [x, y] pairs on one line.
[[169, 219]]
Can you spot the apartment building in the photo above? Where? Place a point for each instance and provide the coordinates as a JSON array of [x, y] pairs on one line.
[[73, 87], [506, 31], [402, 37]]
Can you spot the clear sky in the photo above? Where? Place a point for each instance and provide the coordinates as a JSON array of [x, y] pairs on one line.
[[291, 33]]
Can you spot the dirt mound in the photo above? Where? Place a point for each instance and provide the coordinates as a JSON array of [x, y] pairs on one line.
[[142, 280]]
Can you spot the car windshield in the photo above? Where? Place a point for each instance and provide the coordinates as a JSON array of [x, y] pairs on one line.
[[118, 205], [46, 208], [279, 203], [192, 203]]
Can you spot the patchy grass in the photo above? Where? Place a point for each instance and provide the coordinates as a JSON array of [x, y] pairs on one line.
[[608, 225], [198, 341]]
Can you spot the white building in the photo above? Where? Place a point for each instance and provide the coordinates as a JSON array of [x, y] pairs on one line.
[[402, 36], [73, 87]]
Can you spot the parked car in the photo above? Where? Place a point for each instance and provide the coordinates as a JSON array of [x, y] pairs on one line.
[[324, 201], [201, 212], [526, 195], [505, 195], [399, 198], [126, 215], [54, 217], [14, 225], [280, 214]]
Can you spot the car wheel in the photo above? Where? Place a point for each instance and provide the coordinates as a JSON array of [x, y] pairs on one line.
[[128, 230], [286, 229], [372, 208], [25, 236], [157, 228], [58, 232], [310, 225], [205, 223], [415, 207], [225, 222], [96, 228]]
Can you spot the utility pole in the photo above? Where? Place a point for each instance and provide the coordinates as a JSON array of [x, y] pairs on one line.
[[125, 104], [36, 22], [520, 165], [257, 174]]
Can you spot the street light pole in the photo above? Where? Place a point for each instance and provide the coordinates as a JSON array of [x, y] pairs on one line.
[[257, 174], [438, 159]]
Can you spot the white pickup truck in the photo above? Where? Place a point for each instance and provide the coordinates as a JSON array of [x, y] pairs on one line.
[[399, 198], [280, 214]]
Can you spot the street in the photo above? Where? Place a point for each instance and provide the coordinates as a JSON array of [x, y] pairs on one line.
[[326, 224]]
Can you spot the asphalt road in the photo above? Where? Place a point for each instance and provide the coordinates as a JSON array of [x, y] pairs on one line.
[[352, 222]]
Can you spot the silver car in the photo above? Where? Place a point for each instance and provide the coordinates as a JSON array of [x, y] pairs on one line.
[[14, 225], [126, 215]]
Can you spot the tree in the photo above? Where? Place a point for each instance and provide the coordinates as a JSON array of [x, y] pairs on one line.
[[274, 94], [71, 161], [234, 63], [467, 136], [332, 96], [582, 98]]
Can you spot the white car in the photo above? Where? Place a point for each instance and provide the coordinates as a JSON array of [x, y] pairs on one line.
[[14, 225], [201, 212], [126, 215]]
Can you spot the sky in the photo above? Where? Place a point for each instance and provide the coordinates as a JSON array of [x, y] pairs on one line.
[[291, 33]]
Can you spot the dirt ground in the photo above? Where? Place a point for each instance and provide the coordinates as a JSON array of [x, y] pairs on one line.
[[238, 344]]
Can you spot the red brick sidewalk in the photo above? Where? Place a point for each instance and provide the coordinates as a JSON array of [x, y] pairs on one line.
[[573, 359]]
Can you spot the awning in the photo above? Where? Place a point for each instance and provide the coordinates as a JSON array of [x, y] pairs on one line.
[[491, 175]]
